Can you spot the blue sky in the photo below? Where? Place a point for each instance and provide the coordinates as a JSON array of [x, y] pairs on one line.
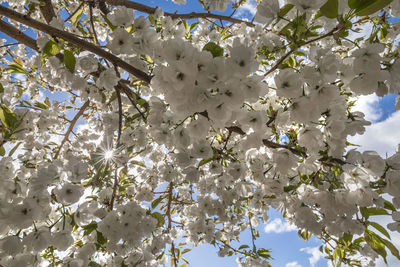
[[286, 246]]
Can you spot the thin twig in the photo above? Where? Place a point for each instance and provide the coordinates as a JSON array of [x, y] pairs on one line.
[[119, 115], [280, 61], [115, 186], [71, 127], [75, 11], [168, 213], [92, 24]]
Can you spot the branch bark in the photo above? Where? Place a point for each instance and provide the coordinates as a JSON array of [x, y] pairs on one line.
[[18, 35], [47, 10], [21, 18], [71, 127]]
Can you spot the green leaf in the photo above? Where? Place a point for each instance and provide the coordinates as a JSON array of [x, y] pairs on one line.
[[155, 202], [41, 105], [14, 149], [159, 218], [368, 7], [380, 228], [374, 7], [305, 234], [1, 89], [330, 9], [76, 16], [185, 24], [51, 49], [16, 68], [264, 253], [89, 228], [366, 212], [376, 243], [347, 237], [101, 240], [8, 117], [389, 206], [392, 248], [141, 164], [2, 151], [284, 10], [205, 161], [214, 49], [69, 60], [289, 188], [193, 26], [243, 246]]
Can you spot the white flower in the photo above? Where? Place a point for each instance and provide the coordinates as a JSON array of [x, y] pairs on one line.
[[288, 84], [121, 16], [219, 5], [108, 79], [69, 193], [267, 11], [11, 245], [88, 64], [307, 5], [120, 42]]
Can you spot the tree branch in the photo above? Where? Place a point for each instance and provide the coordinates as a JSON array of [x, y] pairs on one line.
[[280, 61], [21, 18], [71, 127], [46, 8], [150, 10], [168, 213], [18, 35]]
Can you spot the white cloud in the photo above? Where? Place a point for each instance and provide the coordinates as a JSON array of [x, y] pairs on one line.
[[365, 31], [382, 137], [278, 226], [316, 255], [246, 9], [369, 105], [293, 264]]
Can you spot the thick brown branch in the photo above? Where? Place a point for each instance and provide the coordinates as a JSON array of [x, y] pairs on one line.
[[46, 8], [193, 15], [71, 127], [18, 35], [11, 14]]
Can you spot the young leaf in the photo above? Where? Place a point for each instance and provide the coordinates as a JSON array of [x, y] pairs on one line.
[[284, 10], [380, 228], [76, 16], [330, 9], [14, 149], [159, 218], [69, 60], [368, 9], [51, 49], [376, 243], [214, 49], [155, 202]]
